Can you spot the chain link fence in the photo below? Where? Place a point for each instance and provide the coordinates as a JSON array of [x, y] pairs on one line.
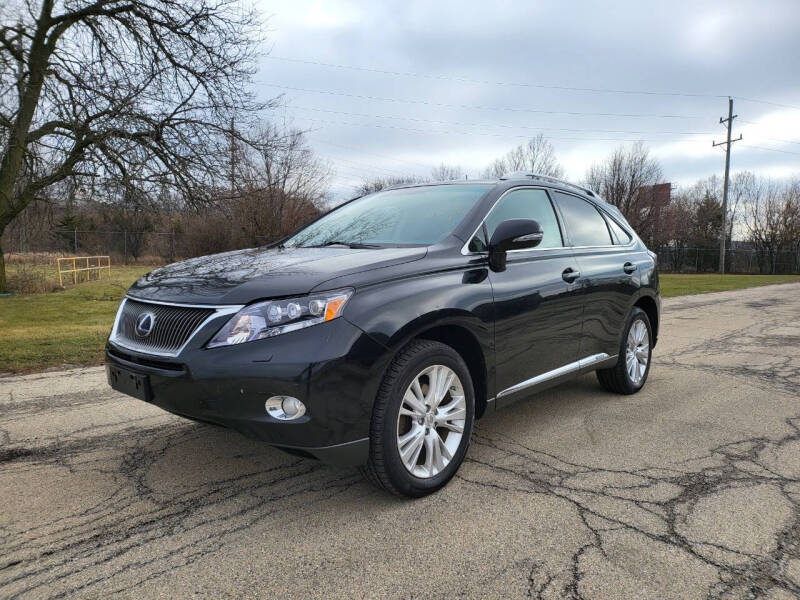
[[737, 260], [150, 247], [158, 247]]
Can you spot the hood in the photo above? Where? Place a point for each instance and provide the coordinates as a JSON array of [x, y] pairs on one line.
[[243, 276]]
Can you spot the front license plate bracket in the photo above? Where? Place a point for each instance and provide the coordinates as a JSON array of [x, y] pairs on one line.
[[128, 382]]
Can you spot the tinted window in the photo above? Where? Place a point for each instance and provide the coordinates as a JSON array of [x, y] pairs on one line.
[[585, 224], [527, 204], [478, 241], [621, 236], [419, 215]]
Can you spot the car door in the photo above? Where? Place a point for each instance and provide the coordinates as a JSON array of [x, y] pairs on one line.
[[604, 254], [537, 312]]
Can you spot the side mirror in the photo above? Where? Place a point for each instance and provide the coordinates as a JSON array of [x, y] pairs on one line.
[[513, 234]]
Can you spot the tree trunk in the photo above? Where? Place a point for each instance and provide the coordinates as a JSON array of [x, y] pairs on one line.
[[13, 155], [3, 281]]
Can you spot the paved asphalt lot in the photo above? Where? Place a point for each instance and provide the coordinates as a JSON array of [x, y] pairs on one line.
[[690, 489]]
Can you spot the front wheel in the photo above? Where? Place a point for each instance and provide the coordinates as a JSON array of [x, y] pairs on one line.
[[421, 421], [629, 375]]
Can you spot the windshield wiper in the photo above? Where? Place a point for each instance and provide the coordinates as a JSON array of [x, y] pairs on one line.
[[354, 245]]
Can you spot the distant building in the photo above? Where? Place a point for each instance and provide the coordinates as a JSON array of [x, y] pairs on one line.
[[655, 196]]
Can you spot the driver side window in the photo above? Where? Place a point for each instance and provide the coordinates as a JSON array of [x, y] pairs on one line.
[[527, 204]]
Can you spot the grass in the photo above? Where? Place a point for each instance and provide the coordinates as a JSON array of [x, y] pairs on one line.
[[684, 284], [69, 327]]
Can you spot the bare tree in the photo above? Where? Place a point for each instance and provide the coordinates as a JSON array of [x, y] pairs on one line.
[[537, 155], [282, 184], [740, 185], [773, 221], [620, 178], [674, 230], [89, 87], [445, 172], [376, 184]]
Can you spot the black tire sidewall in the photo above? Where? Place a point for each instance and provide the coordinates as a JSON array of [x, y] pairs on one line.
[[406, 482]]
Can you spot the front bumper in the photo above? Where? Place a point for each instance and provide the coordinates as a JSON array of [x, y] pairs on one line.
[[333, 368]]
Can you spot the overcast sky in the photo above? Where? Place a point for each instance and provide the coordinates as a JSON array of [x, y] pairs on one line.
[[416, 84]]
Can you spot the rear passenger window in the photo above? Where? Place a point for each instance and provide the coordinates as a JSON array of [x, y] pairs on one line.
[[527, 204], [585, 224], [620, 236]]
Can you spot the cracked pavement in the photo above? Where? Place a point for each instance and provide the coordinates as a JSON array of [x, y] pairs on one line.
[[689, 489]]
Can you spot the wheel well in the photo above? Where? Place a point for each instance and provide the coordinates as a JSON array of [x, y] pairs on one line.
[[463, 342], [648, 305]]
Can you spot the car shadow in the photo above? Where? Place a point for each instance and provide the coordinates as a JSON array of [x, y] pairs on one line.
[[187, 460]]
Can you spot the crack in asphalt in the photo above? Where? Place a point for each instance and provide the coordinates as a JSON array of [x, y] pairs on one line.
[[737, 465], [726, 516]]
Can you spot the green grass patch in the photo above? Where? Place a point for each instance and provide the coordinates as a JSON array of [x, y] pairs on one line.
[[684, 284], [69, 327]]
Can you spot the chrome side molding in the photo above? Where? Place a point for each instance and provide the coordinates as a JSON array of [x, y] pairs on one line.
[[568, 368]]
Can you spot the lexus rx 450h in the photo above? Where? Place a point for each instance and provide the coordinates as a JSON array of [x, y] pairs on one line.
[[376, 335]]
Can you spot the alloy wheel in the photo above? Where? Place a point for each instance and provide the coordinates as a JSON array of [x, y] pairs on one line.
[[637, 351], [431, 421]]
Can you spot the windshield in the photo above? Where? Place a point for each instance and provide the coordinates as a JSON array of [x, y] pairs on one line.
[[415, 216]]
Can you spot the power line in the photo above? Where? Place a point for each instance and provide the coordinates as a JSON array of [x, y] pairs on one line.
[[472, 124], [770, 149], [362, 173], [781, 140], [769, 102], [524, 84], [480, 107], [488, 82], [393, 158], [368, 166], [483, 133]]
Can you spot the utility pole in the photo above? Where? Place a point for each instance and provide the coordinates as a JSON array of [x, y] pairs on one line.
[[729, 123]]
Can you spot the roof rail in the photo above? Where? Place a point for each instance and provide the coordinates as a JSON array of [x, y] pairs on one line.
[[548, 178]]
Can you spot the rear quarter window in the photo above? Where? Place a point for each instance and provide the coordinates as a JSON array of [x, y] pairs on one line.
[[621, 237]]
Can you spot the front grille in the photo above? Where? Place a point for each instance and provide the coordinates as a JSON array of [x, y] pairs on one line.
[[172, 326]]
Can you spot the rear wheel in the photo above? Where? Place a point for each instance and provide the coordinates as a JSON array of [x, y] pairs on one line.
[[421, 421], [629, 375]]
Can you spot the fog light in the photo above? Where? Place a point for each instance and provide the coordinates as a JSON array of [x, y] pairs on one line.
[[285, 408]]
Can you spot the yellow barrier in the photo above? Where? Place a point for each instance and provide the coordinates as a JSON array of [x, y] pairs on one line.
[[88, 269]]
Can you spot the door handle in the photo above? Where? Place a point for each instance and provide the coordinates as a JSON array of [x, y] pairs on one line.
[[629, 267], [569, 275]]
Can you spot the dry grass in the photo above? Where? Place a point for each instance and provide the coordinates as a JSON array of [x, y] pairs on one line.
[[33, 258], [26, 278], [37, 273]]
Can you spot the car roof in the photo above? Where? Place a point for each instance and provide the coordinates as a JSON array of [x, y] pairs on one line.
[[511, 179]]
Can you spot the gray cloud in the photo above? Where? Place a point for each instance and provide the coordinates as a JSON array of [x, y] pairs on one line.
[[745, 49]]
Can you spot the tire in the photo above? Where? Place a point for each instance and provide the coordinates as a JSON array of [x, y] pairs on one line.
[[420, 361], [618, 378]]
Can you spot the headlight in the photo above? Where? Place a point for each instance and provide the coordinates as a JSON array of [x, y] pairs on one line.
[[267, 319]]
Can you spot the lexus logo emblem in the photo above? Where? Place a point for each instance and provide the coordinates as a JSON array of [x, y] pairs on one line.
[[144, 324]]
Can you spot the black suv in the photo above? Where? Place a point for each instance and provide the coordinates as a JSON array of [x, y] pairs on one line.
[[376, 335]]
